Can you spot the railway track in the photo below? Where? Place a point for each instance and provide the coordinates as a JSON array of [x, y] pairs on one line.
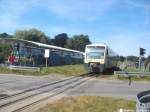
[[23, 100]]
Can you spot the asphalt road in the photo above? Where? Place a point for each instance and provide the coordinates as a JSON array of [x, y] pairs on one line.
[[10, 84], [111, 88]]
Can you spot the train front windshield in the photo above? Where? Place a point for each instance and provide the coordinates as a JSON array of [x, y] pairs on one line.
[[95, 52]]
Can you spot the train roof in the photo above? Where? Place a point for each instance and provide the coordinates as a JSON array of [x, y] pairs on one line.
[[97, 45], [45, 45]]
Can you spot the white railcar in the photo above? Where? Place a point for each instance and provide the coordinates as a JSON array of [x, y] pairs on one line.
[[99, 57]]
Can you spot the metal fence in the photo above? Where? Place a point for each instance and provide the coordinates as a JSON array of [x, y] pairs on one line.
[[24, 68]]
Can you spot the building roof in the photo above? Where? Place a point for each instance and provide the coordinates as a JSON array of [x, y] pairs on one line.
[[45, 45]]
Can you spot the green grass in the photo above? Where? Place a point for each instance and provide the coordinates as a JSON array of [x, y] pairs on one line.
[[66, 70], [4, 70], [134, 69], [133, 78], [88, 104]]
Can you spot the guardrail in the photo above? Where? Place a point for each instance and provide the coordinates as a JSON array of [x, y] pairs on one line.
[[127, 74], [24, 68]]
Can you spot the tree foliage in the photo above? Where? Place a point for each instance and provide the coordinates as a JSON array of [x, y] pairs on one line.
[[32, 35], [5, 35], [122, 58], [4, 52], [78, 42], [132, 58], [148, 58], [60, 39]]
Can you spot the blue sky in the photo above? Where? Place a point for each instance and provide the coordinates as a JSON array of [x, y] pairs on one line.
[[124, 25]]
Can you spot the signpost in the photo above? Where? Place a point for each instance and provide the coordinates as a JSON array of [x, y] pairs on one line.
[[46, 55]]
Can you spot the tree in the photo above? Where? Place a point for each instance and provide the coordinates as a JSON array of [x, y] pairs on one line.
[[4, 52], [122, 58], [78, 42], [132, 58], [32, 35], [5, 35], [61, 39], [49, 40], [148, 58]]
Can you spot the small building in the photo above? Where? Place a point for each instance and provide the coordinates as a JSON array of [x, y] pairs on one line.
[[28, 53]]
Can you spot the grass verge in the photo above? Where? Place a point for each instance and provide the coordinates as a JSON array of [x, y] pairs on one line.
[[134, 69], [88, 104], [66, 70], [133, 78]]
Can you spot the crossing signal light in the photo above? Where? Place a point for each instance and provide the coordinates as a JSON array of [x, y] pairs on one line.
[[142, 51]]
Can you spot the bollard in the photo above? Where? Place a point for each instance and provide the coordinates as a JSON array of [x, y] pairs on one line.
[[129, 77], [143, 102], [129, 80]]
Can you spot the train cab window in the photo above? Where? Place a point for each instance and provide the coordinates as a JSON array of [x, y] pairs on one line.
[[107, 52]]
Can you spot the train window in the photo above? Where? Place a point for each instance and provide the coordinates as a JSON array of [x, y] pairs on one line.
[[107, 52], [95, 49], [95, 55]]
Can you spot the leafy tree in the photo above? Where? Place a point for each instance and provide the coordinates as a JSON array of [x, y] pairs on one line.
[[78, 42], [132, 58], [52, 41], [4, 52], [60, 39], [49, 40], [32, 35], [5, 35], [148, 57], [122, 58], [70, 43]]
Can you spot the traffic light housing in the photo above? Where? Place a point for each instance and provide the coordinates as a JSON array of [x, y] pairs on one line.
[[142, 51]]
